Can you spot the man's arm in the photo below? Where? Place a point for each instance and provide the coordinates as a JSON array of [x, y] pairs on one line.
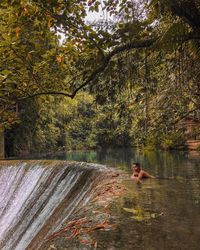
[[145, 174]]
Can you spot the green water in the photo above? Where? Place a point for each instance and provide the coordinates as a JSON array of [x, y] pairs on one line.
[[162, 213], [174, 164]]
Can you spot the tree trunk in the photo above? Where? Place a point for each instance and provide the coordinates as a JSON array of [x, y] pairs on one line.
[[2, 153]]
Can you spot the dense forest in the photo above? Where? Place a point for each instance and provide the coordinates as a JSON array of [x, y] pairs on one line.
[[128, 76]]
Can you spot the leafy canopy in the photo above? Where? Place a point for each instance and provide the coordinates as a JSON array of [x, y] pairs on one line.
[[34, 61]]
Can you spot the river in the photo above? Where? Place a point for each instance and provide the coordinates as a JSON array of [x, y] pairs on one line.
[[161, 213]]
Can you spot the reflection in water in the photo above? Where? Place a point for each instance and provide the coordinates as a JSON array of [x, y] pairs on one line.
[[160, 213], [166, 216], [161, 164]]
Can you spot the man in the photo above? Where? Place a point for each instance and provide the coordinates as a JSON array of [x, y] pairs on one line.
[[139, 174]]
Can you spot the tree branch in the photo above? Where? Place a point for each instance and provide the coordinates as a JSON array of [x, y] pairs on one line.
[[44, 93], [187, 10], [136, 44], [185, 115]]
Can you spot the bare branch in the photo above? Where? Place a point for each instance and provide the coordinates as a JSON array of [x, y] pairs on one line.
[[44, 93]]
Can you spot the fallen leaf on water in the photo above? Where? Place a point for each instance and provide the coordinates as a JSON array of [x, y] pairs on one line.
[[102, 225], [139, 214], [136, 211], [70, 225], [153, 215], [86, 242], [52, 247], [75, 233], [138, 218]]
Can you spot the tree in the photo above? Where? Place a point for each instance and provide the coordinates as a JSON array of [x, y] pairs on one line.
[[85, 45], [92, 57]]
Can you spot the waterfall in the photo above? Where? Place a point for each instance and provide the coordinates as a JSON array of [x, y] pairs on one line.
[[36, 197]]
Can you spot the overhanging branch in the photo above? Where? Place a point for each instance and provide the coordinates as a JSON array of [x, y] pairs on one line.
[[44, 93], [136, 44], [132, 45]]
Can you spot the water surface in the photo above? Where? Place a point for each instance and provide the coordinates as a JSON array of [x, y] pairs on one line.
[[160, 213]]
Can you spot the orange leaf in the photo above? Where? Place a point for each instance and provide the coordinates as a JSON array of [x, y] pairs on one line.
[[75, 233], [29, 56], [59, 59], [25, 11], [86, 242], [18, 30]]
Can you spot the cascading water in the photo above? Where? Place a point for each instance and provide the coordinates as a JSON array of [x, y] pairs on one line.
[[36, 197]]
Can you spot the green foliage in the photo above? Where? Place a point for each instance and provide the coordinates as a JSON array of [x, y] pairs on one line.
[[133, 92], [173, 140], [80, 123], [49, 124]]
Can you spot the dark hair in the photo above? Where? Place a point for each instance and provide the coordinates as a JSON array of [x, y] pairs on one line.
[[137, 164]]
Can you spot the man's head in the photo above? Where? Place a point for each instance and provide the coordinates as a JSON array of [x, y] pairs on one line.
[[136, 167]]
